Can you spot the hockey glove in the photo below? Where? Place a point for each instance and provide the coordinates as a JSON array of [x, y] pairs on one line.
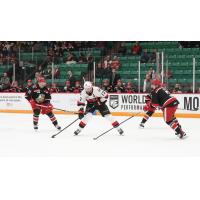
[[81, 113], [146, 108]]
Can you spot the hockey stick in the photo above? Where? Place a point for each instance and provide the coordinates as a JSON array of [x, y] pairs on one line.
[[53, 136], [57, 109], [113, 127], [65, 110]]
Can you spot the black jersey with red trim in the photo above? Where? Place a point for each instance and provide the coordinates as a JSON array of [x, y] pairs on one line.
[[37, 91], [162, 98], [28, 91], [147, 98]]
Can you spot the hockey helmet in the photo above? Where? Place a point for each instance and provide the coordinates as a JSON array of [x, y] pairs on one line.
[[156, 82], [88, 86]]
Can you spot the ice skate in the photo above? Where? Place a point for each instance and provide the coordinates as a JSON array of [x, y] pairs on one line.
[[58, 127], [181, 134], [141, 125], [35, 128], [120, 131], [77, 132]]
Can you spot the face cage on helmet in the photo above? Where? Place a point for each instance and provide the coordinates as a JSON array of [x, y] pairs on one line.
[[42, 84], [88, 89]]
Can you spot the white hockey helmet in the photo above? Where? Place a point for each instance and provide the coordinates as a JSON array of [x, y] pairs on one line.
[[88, 86]]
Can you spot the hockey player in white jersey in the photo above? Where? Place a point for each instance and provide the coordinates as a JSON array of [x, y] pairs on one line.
[[94, 98]]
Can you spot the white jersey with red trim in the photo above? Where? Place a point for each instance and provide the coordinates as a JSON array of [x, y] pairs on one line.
[[97, 95]]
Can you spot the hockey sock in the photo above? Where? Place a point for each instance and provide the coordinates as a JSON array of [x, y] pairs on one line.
[[85, 120], [82, 125], [53, 118], [35, 119], [144, 119], [174, 124], [146, 116], [114, 123]]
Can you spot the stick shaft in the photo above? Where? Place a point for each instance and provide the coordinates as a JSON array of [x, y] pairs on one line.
[[43, 106], [65, 128], [119, 124]]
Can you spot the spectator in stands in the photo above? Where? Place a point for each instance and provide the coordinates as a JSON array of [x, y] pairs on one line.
[[4, 82], [29, 86], [106, 86], [122, 49], [90, 60], [169, 74], [47, 73], [119, 88], [107, 62], [15, 87], [107, 71], [1, 59], [50, 52], [198, 90], [147, 84], [152, 57], [68, 87], [38, 75], [177, 89], [71, 59], [99, 71], [114, 77], [56, 72], [54, 88], [71, 79], [115, 64], [82, 58], [151, 73], [77, 88], [69, 46], [144, 56], [129, 88], [136, 49]]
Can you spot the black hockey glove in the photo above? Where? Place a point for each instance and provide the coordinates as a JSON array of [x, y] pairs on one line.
[[99, 103], [81, 113]]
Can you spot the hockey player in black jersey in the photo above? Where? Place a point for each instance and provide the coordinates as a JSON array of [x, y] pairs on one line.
[[30, 86], [149, 110], [39, 98], [161, 98]]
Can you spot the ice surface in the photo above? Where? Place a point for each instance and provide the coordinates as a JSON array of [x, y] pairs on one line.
[[17, 138]]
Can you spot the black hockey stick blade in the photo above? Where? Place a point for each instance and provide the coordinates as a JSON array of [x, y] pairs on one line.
[[113, 127], [53, 136]]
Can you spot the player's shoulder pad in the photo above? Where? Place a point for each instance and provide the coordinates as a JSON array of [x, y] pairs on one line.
[[83, 93], [160, 89], [96, 88]]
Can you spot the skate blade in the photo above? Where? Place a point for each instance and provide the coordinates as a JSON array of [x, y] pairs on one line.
[[140, 127]]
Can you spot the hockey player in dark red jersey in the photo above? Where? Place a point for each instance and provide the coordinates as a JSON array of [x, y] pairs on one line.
[[149, 110], [161, 98], [39, 99]]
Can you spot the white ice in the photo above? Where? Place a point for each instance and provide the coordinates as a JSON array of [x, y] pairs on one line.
[[17, 138]]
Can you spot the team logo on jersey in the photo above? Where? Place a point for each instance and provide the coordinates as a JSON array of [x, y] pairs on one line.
[[114, 101]]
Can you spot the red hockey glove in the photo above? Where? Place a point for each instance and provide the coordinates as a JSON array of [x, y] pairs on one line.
[[81, 113], [146, 108]]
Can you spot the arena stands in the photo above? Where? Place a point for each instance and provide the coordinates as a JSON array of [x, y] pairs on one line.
[[21, 60]]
